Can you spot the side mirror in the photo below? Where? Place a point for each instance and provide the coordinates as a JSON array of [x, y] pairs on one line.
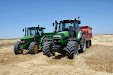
[[56, 22], [23, 30], [79, 22], [75, 19], [53, 24]]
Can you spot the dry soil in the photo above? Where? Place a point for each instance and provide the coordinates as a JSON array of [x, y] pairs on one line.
[[97, 60]]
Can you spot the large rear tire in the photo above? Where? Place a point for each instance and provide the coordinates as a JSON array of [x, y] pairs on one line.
[[16, 48], [82, 44], [44, 40], [71, 49], [46, 48], [90, 42], [33, 48]]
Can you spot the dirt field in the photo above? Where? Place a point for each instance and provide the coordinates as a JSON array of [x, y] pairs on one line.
[[97, 60]]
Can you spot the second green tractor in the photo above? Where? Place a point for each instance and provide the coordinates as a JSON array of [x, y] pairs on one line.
[[68, 38]]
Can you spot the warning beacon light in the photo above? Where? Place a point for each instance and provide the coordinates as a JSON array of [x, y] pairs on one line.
[[78, 17]]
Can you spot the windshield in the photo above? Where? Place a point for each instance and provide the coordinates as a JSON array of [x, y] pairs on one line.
[[40, 32], [65, 25], [32, 32]]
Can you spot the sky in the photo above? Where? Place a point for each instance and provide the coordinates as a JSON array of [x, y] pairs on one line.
[[18, 14]]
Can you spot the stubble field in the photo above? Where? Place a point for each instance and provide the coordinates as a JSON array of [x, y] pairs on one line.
[[97, 60]]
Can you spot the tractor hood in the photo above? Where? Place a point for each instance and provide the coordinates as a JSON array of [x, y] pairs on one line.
[[63, 36], [27, 37]]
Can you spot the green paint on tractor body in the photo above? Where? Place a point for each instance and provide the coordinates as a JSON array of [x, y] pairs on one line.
[[41, 40], [50, 35], [59, 34], [66, 33], [27, 37], [78, 35], [26, 42]]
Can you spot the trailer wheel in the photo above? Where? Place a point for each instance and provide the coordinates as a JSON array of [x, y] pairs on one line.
[[46, 48], [71, 49], [16, 48], [33, 48], [87, 44], [90, 43], [82, 44]]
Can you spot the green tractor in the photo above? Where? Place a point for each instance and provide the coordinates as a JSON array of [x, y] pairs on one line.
[[32, 41], [68, 39]]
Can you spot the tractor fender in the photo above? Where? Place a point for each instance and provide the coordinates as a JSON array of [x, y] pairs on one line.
[[79, 35], [41, 40]]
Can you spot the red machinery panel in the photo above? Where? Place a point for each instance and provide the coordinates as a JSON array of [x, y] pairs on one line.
[[87, 31]]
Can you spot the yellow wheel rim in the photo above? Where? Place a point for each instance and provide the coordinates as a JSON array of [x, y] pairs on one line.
[[20, 50], [35, 49]]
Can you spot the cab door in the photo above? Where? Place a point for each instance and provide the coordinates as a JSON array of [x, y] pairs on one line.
[[77, 30]]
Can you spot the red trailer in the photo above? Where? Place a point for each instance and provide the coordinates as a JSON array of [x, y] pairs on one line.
[[88, 34]]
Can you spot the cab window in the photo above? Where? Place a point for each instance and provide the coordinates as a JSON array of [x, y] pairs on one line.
[[77, 26]]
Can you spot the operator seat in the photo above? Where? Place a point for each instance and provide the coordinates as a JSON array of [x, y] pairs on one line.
[[71, 31], [65, 29]]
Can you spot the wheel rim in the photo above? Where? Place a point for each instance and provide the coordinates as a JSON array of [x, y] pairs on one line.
[[84, 45], [35, 49], [20, 50]]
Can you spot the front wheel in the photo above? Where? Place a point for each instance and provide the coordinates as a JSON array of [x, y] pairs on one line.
[[16, 48], [71, 49], [33, 48], [46, 48]]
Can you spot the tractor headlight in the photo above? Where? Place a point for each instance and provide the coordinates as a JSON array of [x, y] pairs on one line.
[[57, 39]]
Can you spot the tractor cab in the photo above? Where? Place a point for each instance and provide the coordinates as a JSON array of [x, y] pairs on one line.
[[32, 31], [72, 26]]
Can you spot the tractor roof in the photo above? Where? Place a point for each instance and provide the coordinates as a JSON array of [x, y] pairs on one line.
[[68, 20], [35, 27]]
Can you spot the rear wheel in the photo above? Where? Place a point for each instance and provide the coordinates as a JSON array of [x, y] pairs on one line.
[[71, 49], [90, 42], [44, 40], [87, 44], [16, 48], [33, 48], [82, 44], [46, 48]]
